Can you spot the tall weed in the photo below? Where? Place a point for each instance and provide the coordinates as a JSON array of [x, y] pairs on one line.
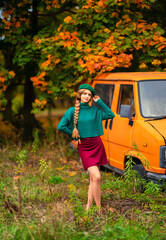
[[50, 133]]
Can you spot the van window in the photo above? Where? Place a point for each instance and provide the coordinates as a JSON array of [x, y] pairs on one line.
[[126, 97], [105, 92], [152, 96]]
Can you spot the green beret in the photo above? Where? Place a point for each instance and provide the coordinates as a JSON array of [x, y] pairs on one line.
[[87, 86]]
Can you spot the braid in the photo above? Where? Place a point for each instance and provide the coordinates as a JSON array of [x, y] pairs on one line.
[[75, 133]]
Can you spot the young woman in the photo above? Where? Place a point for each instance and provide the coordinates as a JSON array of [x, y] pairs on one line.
[[84, 123]]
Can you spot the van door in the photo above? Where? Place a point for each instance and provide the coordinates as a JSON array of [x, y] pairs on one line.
[[105, 91], [120, 129]]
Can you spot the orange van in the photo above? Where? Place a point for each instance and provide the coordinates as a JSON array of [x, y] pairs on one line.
[[138, 100]]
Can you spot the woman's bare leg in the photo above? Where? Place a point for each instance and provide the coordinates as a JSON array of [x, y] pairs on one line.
[[95, 190], [90, 193]]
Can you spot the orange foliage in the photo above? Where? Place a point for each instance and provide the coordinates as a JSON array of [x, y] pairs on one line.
[[91, 55], [2, 80], [45, 64], [101, 63], [143, 66], [103, 4], [141, 3], [39, 81], [4, 76], [11, 22], [51, 61], [67, 19], [38, 41], [111, 53], [54, 4], [40, 104], [12, 73], [156, 62]]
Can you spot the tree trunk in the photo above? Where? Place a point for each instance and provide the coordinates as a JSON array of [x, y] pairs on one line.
[[29, 118], [31, 70]]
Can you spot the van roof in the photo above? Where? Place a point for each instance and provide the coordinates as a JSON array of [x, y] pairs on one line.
[[132, 76]]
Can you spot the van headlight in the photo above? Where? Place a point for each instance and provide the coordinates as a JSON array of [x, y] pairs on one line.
[[163, 156]]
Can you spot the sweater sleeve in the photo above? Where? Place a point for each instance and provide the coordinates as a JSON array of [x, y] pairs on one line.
[[65, 123], [106, 113]]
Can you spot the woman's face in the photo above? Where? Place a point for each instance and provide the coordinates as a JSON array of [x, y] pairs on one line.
[[86, 96]]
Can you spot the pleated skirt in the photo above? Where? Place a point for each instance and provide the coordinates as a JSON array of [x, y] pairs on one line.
[[92, 152]]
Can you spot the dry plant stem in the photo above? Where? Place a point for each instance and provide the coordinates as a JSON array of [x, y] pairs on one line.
[[29, 231], [19, 196], [16, 219], [60, 146], [134, 188]]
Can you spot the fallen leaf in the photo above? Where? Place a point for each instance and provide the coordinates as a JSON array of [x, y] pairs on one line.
[[85, 218], [72, 187], [112, 209], [16, 178], [73, 173]]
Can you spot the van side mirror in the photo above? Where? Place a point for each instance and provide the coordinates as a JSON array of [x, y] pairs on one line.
[[125, 111]]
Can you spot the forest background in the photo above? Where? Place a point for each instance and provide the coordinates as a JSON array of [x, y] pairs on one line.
[[48, 48]]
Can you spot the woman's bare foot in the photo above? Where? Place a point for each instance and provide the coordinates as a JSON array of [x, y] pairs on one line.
[[88, 206]]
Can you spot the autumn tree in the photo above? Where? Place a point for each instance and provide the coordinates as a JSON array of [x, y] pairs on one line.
[[21, 21], [54, 55], [100, 36]]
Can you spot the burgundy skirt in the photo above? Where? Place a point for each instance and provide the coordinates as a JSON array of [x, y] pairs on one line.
[[92, 152]]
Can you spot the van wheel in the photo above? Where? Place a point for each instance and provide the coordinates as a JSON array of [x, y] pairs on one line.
[[141, 173]]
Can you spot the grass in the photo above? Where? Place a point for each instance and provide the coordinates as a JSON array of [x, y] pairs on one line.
[[43, 192]]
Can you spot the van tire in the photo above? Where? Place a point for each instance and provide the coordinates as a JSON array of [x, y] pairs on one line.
[[140, 170], [142, 173]]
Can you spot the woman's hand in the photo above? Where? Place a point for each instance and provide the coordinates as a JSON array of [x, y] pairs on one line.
[[78, 142], [95, 98], [75, 143]]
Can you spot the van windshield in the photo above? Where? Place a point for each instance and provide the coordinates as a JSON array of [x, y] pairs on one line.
[[152, 98]]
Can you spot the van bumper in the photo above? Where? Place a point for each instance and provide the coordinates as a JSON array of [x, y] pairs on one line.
[[155, 177]]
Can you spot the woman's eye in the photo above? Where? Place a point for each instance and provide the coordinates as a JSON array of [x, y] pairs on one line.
[[87, 94]]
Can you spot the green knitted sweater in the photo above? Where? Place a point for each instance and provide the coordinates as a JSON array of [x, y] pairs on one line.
[[89, 120]]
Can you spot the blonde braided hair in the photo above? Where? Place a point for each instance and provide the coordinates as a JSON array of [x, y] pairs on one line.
[[75, 133]]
